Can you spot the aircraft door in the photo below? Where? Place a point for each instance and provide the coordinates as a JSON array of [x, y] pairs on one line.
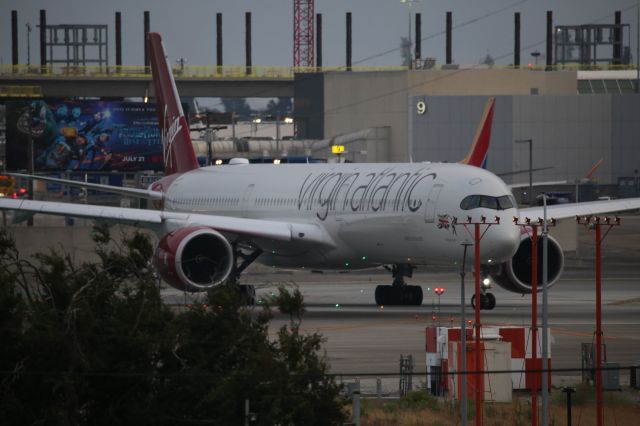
[[246, 200], [432, 201]]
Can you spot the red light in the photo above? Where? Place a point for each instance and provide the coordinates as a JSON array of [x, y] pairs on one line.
[[22, 191], [14, 195]]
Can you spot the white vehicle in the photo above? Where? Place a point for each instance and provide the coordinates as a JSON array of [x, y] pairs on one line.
[[214, 221]]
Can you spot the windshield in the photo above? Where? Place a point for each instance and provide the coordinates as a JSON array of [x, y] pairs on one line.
[[488, 202]]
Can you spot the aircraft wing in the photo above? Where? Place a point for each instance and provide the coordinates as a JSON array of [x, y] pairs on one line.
[[132, 192], [526, 185], [256, 228], [521, 172], [562, 211]]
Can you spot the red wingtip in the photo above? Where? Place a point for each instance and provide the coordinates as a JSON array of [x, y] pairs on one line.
[[480, 147], [179, 156]]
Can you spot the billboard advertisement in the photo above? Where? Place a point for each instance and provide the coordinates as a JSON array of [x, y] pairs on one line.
[[83, 135]]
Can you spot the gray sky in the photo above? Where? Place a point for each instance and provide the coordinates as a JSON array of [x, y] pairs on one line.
[[188, 27]]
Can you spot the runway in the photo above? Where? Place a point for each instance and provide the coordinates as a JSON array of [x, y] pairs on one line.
[[362, 338], [365, 339]]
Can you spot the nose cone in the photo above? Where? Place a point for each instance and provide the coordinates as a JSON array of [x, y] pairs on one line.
[[500, 242]]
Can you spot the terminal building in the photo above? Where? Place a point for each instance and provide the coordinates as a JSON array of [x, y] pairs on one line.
[[574, 119]]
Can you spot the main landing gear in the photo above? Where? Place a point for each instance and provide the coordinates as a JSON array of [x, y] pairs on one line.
[[242, 258], [399, 293]]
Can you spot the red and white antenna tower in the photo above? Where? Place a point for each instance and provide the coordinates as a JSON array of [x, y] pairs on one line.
[[303, 33]]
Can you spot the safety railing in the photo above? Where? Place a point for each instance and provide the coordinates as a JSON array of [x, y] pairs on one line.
[[191, 71], [253, 72]]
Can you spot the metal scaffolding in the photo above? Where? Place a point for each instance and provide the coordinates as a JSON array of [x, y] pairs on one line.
[[76, 45]]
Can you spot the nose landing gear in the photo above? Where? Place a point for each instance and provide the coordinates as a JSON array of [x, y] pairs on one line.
[[399, 293], [487, 300]]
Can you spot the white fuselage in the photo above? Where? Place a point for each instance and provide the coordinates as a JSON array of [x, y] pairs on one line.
[[372, 214]]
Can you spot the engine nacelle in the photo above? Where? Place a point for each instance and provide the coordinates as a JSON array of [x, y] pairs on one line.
[[194, 259], [515, 275]]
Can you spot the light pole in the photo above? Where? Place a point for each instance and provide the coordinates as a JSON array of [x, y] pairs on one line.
[[530, 142], [531, 228], [28, 44], [463, 339], [545, 313], [477, 236], [439, 291], [535, 55], [409, 3], [597, 223]]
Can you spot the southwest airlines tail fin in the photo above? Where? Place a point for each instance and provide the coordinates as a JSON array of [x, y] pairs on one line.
[[179, 156], [477, 155]]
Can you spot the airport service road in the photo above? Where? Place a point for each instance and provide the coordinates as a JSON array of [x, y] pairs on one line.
[[362, 338]]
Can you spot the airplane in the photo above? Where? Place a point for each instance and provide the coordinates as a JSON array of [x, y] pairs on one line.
[[212, 222]]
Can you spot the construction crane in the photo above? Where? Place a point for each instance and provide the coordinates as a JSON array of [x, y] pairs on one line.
[[303, 33]]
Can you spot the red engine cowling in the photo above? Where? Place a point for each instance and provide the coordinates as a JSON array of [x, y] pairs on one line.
[[515, 275], [194, 259]]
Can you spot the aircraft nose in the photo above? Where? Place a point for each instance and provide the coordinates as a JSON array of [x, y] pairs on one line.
[[500, 242]]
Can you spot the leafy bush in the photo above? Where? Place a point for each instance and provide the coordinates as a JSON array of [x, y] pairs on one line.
[[95, 344]]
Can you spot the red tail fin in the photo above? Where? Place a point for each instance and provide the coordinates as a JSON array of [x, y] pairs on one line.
[[478, 152], [179, 156], [590, 173]]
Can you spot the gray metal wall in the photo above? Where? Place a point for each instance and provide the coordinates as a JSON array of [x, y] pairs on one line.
[[570, 133], [309, 104]]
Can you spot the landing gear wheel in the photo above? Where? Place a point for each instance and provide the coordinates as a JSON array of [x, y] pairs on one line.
[[406, 295], [399, 293], [382, 294], [487, 301], [483, 303], [415, 295], [491, 301]]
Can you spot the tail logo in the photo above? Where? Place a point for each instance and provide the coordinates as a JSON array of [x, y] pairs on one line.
[[168, 137]]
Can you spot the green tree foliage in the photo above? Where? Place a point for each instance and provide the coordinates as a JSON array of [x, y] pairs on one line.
[[94, 344], [405, 51], [488, 60], [280, 107], [238, 105]]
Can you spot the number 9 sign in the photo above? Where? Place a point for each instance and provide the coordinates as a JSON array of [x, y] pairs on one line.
[[421, 107]]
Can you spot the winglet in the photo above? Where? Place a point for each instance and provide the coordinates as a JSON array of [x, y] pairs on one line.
[[179, 156], [477, 155]]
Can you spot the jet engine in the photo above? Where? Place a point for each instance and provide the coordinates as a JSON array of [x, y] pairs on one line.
[[515, 275], [194, 258]]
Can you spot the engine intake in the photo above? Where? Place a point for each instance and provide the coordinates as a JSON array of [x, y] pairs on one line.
[[515, 275], [194, 259]]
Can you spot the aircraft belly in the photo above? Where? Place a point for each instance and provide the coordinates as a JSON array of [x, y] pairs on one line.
[[386, 239]]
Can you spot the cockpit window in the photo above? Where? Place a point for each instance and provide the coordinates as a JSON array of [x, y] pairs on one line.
[[470, 202], [488, 202], [504, 202]]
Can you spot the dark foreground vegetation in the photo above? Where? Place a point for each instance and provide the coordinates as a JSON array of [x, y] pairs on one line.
[[94, 344]]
